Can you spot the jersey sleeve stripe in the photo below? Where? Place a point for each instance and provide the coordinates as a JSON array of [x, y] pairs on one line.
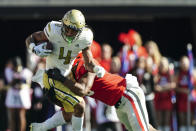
[[46, 32]]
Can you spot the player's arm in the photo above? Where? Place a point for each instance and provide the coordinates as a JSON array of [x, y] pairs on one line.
[[91, 64], [75, 87], [38, 37], [81, 88], [88, 80], [35, 38], [88, 59]]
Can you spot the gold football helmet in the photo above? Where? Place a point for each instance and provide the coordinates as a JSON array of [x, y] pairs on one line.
[[73, 20]]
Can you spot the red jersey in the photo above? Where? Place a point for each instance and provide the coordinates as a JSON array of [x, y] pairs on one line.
[[183, 81], [108, 89], [163, 99], [164, 79]]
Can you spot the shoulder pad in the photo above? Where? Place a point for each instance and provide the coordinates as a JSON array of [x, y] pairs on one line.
[[52, 28]]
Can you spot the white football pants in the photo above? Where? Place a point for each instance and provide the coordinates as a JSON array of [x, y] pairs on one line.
[[132, 111]]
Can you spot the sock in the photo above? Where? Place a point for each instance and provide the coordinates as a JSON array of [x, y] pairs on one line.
[[77, 123], [166, 128], [56, 120]]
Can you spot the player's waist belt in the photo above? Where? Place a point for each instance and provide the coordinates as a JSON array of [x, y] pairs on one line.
[[118, 103]]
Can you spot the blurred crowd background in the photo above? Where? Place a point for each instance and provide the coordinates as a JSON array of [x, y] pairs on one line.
[[147, 38]]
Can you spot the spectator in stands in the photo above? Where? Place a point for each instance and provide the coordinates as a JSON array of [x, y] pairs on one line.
[[139, 69], [3, 110], [96, 50], [115, 65], [132, 50], [9, 74], [153, 51], [164, 84], [106, 56], [182, 91], [18, 96]]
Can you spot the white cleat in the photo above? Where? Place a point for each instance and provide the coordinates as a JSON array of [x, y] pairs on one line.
[[37, 127]]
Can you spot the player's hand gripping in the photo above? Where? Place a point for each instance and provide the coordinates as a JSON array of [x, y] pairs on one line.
[[41, 51], [55, 74]]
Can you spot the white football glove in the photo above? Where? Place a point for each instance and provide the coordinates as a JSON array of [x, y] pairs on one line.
[[99, 71], [40, 51]]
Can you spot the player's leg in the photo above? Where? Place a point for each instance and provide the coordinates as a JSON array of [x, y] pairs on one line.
[[135, 109], [70, 101], [65, 117], [78, 116], [62, 117], [74, 104], [124, 119], [54, 121]]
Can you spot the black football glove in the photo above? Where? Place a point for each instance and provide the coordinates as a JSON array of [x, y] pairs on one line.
[[50, 93], [55, 74]]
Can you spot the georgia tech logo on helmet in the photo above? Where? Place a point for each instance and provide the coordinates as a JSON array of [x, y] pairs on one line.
[[74, 19]]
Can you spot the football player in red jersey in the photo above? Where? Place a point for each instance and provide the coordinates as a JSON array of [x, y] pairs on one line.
[[123, 93]]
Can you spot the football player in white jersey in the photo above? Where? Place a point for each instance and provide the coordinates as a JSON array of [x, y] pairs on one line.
[[68, 37]]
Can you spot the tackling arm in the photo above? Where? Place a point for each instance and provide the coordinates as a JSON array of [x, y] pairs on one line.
[[88, 80], [88, 59], [91, 64], [79, 88]]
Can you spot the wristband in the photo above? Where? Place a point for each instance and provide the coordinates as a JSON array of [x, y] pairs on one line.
[[31, 46]]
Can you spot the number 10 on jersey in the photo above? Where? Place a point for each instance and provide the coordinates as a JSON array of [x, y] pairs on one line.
[[67, 58]]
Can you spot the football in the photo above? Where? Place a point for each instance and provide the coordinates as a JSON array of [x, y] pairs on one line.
[[49, 46]]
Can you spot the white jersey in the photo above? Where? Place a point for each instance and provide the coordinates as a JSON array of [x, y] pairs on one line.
[[64, 53]]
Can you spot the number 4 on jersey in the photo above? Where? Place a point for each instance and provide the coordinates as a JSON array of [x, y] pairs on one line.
[[66, 58]]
